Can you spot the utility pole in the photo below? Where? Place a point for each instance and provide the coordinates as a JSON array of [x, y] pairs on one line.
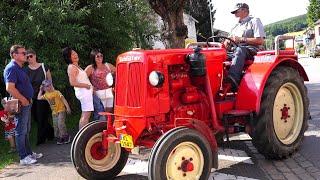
[[210, 5]]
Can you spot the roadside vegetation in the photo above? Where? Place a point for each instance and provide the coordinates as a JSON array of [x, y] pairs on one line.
[[293, 24]]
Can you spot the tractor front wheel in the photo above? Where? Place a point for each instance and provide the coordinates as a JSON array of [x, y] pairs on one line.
[[283, 115], [91, 160], [76, 138], [181, 154]]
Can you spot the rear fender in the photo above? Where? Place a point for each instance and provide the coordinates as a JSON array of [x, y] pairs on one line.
[[253, 82], [202, 128]]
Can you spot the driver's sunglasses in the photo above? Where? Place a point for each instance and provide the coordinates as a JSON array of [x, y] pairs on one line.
[[30, 56]]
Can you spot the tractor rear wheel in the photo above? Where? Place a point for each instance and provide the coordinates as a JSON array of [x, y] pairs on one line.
[[283, 115], [89, 158], [180, 154]]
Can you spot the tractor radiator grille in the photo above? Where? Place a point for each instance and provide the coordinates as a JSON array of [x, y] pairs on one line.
[[129, 82]]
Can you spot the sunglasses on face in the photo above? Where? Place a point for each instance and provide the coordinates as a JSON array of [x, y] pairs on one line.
[[29, 56], [99, 56]]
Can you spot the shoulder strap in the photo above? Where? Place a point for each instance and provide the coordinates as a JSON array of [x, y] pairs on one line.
[[44, 71], [249, 21]]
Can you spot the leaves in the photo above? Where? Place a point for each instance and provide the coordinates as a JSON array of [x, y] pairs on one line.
[[313, 13], [47, 26]]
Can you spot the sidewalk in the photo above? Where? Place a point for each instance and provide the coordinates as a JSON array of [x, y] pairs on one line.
[[56, 164]]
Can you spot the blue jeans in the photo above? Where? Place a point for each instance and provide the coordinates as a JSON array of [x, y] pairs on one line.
[[23, 127], [241, 54], [98, 107]]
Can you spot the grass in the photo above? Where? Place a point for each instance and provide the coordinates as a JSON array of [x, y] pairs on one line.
[[7, 159]]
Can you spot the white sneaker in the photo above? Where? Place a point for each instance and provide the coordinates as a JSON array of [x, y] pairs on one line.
[[36, 155], [27, 161]]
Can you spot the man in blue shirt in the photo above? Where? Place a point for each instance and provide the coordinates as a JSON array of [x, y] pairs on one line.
[[19, 87]]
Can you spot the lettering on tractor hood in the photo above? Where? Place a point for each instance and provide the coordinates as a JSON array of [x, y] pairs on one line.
[[129, 58]]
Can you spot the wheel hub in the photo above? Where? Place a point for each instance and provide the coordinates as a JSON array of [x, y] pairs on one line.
[[97, 151], [288, 113], [285, 113], [98, 158], [188, 159], [186, 165]]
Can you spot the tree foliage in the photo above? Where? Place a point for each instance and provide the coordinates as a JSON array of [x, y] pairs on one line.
[[47, 26], [293, 24], [313, 13]]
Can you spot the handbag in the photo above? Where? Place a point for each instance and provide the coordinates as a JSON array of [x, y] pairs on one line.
[[11, 105]]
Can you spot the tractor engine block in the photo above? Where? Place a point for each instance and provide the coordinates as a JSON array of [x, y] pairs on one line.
[[188, 101]]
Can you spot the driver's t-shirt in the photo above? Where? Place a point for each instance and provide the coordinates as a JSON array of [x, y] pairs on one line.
[[249, 27]]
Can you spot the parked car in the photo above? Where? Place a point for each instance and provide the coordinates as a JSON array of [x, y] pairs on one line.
[[315, 51]]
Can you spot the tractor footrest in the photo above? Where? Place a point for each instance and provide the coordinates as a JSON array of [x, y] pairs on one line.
[[232, 114], [237, 113]]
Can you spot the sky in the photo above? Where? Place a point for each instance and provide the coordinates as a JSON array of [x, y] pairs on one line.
[[268, 11]]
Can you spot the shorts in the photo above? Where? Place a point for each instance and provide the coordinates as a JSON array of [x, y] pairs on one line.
[[9, 133], [85, 97], [106, 97]]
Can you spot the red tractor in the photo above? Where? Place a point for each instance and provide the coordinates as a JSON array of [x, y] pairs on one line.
[[177, 102]]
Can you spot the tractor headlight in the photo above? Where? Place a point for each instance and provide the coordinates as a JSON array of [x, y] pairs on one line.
[[109, 79], [156, 78]]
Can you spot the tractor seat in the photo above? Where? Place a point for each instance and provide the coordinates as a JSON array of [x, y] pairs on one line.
[[246, 63]]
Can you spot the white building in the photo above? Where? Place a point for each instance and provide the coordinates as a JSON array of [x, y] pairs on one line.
[[189, 21]]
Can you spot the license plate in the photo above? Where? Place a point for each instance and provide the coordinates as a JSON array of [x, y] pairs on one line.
[[126, 141]]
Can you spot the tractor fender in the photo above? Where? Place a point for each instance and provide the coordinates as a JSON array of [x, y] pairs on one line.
[[254, 80], [204, 129]]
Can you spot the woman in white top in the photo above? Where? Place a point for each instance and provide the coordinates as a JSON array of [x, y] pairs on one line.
[[82, 86]]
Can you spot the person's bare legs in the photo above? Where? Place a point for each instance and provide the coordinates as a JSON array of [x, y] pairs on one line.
[[11, 141], [85, 116], [109, 109]]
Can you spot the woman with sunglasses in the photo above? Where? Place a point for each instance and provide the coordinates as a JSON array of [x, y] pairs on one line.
[[40, 110], [97, 73]]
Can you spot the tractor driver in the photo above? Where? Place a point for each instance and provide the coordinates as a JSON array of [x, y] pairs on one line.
[[249, 34]]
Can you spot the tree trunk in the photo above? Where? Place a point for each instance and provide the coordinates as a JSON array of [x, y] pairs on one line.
[[171, 12]]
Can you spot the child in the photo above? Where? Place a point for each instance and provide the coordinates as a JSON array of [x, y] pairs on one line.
[[59, 107], [9, 126]]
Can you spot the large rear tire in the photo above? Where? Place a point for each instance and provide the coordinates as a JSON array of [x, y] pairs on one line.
[[283, 115], [90, 161], [180, 154]]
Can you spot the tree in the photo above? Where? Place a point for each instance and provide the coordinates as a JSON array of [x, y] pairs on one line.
[[199, 9], [114, 26], [313, 13], [171, 12]]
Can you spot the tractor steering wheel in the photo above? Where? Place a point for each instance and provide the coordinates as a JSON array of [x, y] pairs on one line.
[[230, 50], [214, 38]]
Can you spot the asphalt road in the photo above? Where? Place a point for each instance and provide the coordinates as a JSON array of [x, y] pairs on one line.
[[240, 161]]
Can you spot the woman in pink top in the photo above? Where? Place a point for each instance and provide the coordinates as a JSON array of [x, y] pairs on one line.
[[97, 73]]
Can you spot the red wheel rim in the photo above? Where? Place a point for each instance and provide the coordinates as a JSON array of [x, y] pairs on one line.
[[97, 151]]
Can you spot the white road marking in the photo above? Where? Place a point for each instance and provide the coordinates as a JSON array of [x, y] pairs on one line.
[[234, 155]]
